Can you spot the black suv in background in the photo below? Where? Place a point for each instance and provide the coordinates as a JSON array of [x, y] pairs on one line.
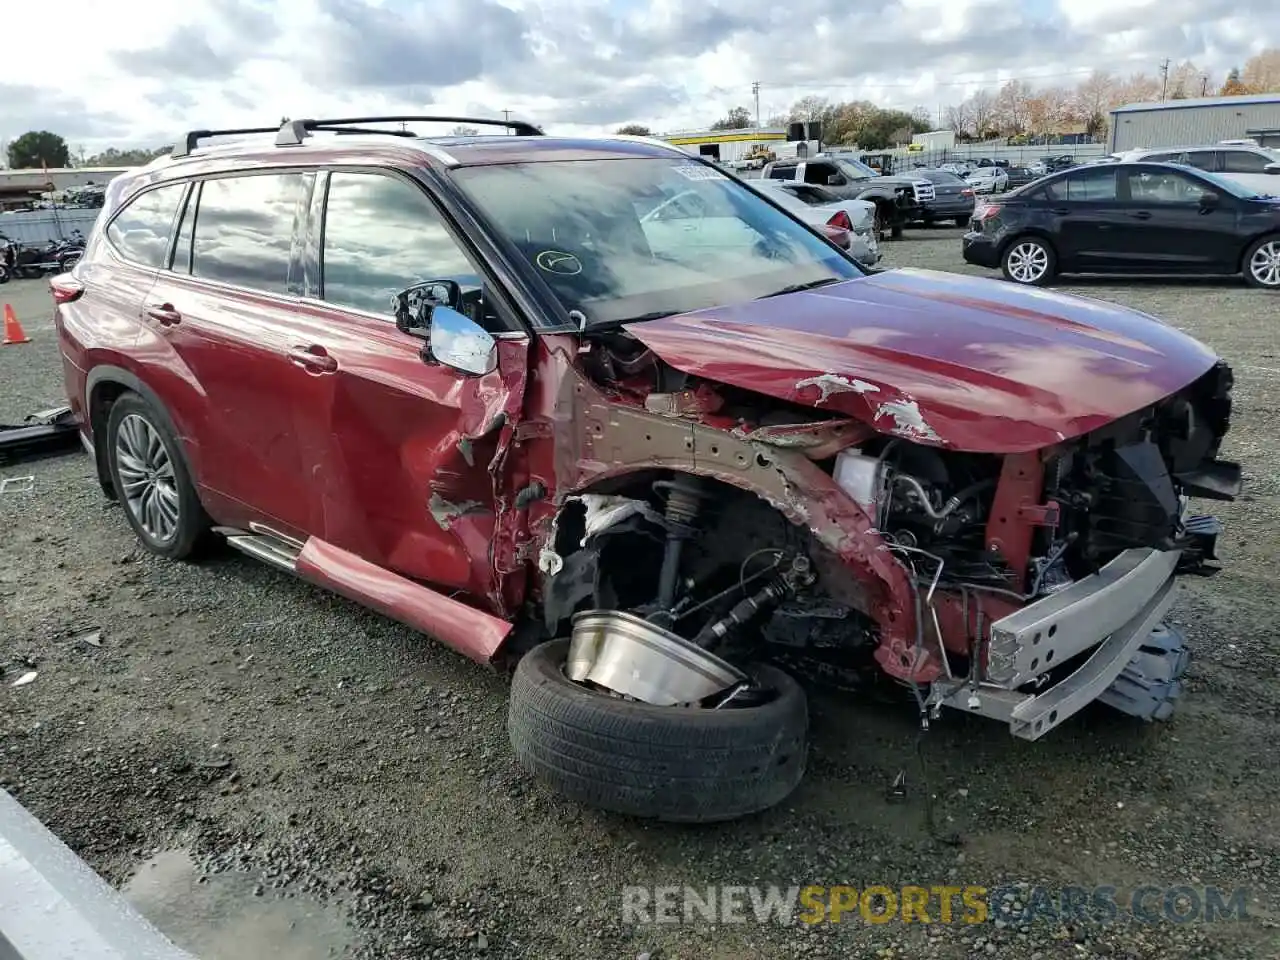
[[1129, 218]]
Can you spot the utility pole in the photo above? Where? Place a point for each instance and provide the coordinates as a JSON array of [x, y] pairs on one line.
[[755, 89], [1204, 85], [1164, 78], [506, 115]]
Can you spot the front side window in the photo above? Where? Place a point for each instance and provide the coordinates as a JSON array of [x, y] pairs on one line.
[[1163, 187], [634, 238], [1244, 161], [141, 231], [245, 227], [381, 237]]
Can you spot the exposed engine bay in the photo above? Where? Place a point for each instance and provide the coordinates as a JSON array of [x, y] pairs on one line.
[[724, 580]]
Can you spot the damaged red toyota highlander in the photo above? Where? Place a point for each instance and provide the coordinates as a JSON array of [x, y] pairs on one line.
[[595, 410]]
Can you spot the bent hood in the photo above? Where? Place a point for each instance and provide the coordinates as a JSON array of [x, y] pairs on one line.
[[962, 362]]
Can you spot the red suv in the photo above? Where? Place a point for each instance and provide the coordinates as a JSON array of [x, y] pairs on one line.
[[596, 409]]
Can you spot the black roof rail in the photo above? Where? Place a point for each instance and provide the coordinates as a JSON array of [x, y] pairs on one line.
[[191, 139], [293, 132]]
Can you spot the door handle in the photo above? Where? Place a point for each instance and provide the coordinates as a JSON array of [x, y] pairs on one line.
[[1060, 211], [314, 359], [1141, 215], [164, 313]]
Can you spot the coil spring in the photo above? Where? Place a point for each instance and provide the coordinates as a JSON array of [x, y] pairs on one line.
[[684, 500]]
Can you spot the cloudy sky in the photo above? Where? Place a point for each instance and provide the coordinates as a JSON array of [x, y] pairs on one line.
[[134, 73]]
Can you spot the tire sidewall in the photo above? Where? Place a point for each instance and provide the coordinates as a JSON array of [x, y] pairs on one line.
[[192, 522], [1050, 268]]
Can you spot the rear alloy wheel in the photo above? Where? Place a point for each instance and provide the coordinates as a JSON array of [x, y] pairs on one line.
[[674, 763], [1028, 261], [1262, 264], [152, 481]]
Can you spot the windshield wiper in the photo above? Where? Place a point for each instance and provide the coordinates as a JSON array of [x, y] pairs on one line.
[[641, 318], [799, 287]]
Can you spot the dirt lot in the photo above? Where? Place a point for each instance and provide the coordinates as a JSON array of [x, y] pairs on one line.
[[338, 760]]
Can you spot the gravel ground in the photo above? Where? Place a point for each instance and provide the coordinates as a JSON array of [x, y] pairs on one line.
[[265, 727]]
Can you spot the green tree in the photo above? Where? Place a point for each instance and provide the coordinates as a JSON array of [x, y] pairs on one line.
[[111, 157], [634, 130], [38, 147], [739, 118]]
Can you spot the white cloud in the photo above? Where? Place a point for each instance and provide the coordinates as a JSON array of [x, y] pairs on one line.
[[137, 75]]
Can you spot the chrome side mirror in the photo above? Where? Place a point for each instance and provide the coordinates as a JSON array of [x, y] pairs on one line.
[[459, 342]]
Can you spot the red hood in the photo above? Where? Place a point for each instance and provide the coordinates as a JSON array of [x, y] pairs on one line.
[[974, 364]]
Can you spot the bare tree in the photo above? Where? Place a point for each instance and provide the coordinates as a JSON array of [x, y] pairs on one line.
[[634, 130], [982, 113], [463, 132], [958, 118], [810, 108], [1261, 73], [1011, 106]]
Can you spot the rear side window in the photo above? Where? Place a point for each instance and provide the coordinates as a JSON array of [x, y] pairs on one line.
[[245, 227], [382, 236], [782, 173], [1092, 187], [140, 232]]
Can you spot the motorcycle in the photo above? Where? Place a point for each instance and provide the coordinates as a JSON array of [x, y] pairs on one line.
[[56, 256]]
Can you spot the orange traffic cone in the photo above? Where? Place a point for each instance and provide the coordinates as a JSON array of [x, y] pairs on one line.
[[12, 328]]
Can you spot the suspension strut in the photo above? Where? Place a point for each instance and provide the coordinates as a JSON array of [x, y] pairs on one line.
[[684, 501]]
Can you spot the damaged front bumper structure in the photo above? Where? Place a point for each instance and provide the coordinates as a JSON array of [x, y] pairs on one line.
[[1110, 623]]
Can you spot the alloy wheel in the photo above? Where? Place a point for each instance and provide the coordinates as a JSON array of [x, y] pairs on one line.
[[1265, 264], [147, 477], [1028, 262]]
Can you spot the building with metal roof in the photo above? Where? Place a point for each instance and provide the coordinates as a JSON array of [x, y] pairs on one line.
[[1206, 120]]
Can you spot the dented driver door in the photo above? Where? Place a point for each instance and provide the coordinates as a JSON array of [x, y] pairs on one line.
[[414, 467]]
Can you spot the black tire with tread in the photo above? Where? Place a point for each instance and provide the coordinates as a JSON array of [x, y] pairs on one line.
[[193, 523], [663, 763]]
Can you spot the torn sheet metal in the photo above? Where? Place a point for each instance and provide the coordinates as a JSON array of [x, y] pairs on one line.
[[446, 513]]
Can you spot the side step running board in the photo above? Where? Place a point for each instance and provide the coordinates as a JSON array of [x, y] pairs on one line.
[[264, 544]]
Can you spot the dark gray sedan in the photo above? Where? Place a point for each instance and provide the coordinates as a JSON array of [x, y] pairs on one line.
[[952, 198]]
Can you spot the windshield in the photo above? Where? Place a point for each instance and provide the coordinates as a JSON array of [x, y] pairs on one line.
[[632, 239]]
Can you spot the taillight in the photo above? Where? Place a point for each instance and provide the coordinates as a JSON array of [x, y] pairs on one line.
[[989, 212], [841, 220], [65, 288], [966, 192]]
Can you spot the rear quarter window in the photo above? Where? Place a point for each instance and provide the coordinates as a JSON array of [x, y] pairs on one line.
[[140, 232]]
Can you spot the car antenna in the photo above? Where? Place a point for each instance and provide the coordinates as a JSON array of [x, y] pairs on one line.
[[580, 318]]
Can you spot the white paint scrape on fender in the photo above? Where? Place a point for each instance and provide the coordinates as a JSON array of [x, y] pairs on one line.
[[908, 421], [830, 383]]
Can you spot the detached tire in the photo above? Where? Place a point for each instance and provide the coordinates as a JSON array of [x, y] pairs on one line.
[[663, 763]]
